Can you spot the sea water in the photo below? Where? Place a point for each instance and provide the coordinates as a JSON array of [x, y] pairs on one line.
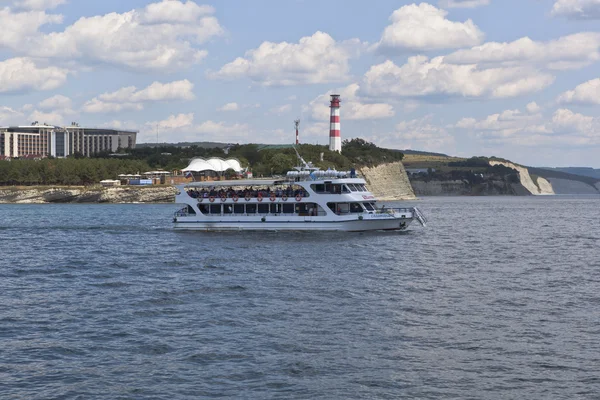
[[497, 298]]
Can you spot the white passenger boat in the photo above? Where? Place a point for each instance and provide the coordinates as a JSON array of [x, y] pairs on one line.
[[305, 200]]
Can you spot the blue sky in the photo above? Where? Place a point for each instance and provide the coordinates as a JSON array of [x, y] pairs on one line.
[[514, 79]]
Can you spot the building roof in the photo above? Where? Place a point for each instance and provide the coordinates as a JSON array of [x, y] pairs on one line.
[[41, 126], [199, 164]]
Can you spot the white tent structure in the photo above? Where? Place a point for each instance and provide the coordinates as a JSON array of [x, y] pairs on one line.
[[215, 164]]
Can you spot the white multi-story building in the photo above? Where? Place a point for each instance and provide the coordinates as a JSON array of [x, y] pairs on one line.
[[47, 140]]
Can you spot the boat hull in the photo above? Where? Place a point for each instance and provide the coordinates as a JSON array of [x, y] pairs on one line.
[[395, 224]]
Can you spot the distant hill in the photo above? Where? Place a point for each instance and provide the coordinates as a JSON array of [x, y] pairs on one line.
[[422, 153], [582, 171], [205, 145], [262, 146]]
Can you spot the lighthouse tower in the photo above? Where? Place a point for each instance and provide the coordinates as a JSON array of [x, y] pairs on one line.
[[335, 140]]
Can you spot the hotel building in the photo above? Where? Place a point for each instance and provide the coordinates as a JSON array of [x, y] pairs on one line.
[[47, 140]]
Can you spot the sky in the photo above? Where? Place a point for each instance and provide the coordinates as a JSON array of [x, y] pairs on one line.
[[512, 79]]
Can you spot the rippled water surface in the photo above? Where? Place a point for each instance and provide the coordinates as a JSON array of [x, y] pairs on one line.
[[498, 298]]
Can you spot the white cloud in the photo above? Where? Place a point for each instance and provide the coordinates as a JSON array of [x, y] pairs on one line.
[[505, 125], [463, 3], [19, 27], [512, 127], [568, 52], [169, 11], [425, 27], [175, 121], [98, 106], [353, 107], [418, 133], [282, 109], [8, 116], [38, 4], [50, 118], [578, 9], [569, 122], [55, 103], [129, 98], [422, 77], [118, 124], [533, 108], [314, 59], [229, 107], [221, 130], [586, 93], [177, 90], [22, 74], [162, 36], [181, 128]]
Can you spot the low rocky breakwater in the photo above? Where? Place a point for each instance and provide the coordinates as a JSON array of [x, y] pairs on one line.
[[126, 194]]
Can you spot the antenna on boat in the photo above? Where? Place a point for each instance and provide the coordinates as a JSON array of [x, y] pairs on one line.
[[304, 163]]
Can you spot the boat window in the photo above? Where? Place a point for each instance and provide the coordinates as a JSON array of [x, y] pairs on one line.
[[356, 208], [343, 208], [238, 209], [227, 209], [215, 209], [288, 208], [331, 206], [307, 209], [190, 210], [275, 208], [369, 206], [336, 189], [263, 208], [363, 188], [345, 189], [203, 208], [352, 187], [318, 188], [250, 208]]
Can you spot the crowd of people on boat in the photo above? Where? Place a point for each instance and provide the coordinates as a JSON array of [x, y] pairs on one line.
[[247, 193]]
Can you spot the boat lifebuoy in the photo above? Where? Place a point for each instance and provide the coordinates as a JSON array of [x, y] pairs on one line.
[[247, 197], [272, 197], [259, 197], [284, 197], [211, 199], [298, 197], [235, 198], [200, 199], [223, 198]]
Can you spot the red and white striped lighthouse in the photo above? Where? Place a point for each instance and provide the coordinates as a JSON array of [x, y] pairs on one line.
[[335, 140]]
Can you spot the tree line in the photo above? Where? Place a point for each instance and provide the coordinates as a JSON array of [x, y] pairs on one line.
[[261, 160], [67, 171]]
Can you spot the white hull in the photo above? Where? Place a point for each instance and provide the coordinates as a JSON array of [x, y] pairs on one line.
[[282, 224]]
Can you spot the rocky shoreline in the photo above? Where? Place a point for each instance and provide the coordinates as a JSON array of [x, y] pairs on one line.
[[81, 194], [387, 182]]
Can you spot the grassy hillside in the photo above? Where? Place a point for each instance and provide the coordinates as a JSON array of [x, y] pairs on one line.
[[589, 172]]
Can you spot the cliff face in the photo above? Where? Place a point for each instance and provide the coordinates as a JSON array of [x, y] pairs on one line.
[[162, 194], [388, 182], [542, 187], [464, 188]]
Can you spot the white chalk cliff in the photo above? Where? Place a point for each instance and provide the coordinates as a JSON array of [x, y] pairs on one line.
[[388, 182], [543, 187]]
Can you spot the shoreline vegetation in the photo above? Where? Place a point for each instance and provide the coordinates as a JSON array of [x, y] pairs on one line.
[[391, 174], [262, 160]]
